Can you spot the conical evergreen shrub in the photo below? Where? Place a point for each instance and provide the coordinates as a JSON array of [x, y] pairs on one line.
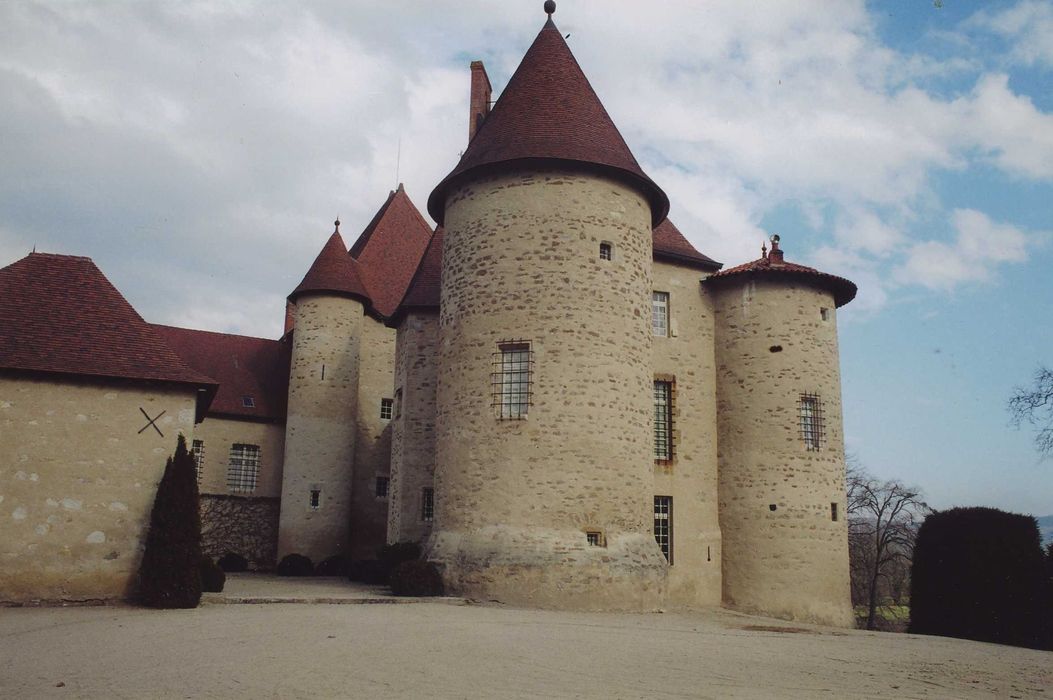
[[169, 574]]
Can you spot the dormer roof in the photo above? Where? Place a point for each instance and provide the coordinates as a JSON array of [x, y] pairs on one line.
[[773, 266], [671, 246], [549, 113], [334, 271]]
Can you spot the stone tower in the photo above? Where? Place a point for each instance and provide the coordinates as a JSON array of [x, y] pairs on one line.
[[543, 475], [323, 399], [780, 439]]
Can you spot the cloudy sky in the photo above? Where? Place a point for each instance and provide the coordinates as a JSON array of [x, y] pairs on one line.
[[199, 151]]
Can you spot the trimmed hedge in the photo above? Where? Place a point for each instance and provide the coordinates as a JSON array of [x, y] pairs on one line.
[[295, 565], [391, 555], [416, 578], [233, 563], [169, 573], [212, 577], [979, 573]]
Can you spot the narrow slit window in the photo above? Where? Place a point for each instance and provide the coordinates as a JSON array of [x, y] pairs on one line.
[[811, 421], [511, 380], [833, 512], [316, 499], [398, 402], [663, 525], [427, 504]]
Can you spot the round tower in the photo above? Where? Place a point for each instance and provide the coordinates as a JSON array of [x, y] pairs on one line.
[[780, 440], [323, 396], [543, 477]]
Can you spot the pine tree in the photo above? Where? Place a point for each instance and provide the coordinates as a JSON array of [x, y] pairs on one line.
[[168, 574]]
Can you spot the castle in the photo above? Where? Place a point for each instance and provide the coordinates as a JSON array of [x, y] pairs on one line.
[[554, 391]]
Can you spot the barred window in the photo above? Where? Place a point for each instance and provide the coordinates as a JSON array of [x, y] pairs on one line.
[[511, 380], [381, 490], [606, 251], [243, 468], [386, 408], [427, 504], [663, 525], [812, 423], [197, 451], [660, 313], [663, 420]]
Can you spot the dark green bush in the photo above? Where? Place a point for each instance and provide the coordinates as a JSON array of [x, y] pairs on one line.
[[295, 565], [367, 571], [979, 574], [336, 565], [212, 577], [233, 563], [416, 578], [168, 574]]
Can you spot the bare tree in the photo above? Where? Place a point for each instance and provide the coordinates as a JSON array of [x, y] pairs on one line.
[[1034, 405], [883, 520]]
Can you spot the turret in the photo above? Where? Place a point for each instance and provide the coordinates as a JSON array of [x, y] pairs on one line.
[[323, 395], [544, 467], [780, 439]]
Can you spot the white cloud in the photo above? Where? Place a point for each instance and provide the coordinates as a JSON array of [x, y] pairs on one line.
[[980, 246], [1028, 26]]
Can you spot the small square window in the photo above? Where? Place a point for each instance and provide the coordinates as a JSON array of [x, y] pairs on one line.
[[594, 538], [824, 313], [660, 313], [427, 504], [386, 408], [248, 402], [382, 487], [606, 251]]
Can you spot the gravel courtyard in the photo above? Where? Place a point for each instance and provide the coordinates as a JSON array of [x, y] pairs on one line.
[[456, 650]]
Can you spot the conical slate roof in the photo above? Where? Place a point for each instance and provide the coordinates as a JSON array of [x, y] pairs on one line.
[[669, 244], [334, 271], [549, 113], [426, 286]]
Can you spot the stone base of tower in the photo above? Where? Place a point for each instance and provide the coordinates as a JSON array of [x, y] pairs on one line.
[[549, 568]]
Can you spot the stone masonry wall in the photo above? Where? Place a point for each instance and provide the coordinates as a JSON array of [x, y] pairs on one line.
[[413, 430], [245, 526], [321, 427], [515, 498], [369, 514], [686, 356], [784, 555], [78, 478]]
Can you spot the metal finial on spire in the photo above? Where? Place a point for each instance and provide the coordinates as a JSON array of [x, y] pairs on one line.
[[337, 225], [550, 7]]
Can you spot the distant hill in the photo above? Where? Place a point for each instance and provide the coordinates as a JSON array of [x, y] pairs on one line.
[[1045, 528]]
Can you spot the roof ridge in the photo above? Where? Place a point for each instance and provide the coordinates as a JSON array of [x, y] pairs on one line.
[[229, 335]]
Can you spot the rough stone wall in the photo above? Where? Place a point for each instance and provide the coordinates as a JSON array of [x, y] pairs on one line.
[[77, 483], [772, 346], [686, 356], [413, 431], [320, 427], [219, 434], [515, 498], [369, 514], [245, 526]]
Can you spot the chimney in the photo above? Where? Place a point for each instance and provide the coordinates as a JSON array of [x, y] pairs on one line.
[[479, 104], [775, 256]]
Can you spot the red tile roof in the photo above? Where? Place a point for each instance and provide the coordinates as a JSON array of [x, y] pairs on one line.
[[550, 113], [245, 367], [669, 244], [59, 313], [424, 289], [389, 250], [773, 265], [335, 272]]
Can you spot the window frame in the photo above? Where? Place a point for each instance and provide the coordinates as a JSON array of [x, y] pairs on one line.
[[512, 380], [386, 480], [606, 251], [427, 504], [197, 452], [243, 467], [811, 421], [663, 513], [660, 312], [387, 406], [663, 405]]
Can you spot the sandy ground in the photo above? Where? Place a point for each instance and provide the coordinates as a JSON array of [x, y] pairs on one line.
[[484, 651]]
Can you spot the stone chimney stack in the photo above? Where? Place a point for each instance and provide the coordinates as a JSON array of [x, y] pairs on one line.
[[479, 104]]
